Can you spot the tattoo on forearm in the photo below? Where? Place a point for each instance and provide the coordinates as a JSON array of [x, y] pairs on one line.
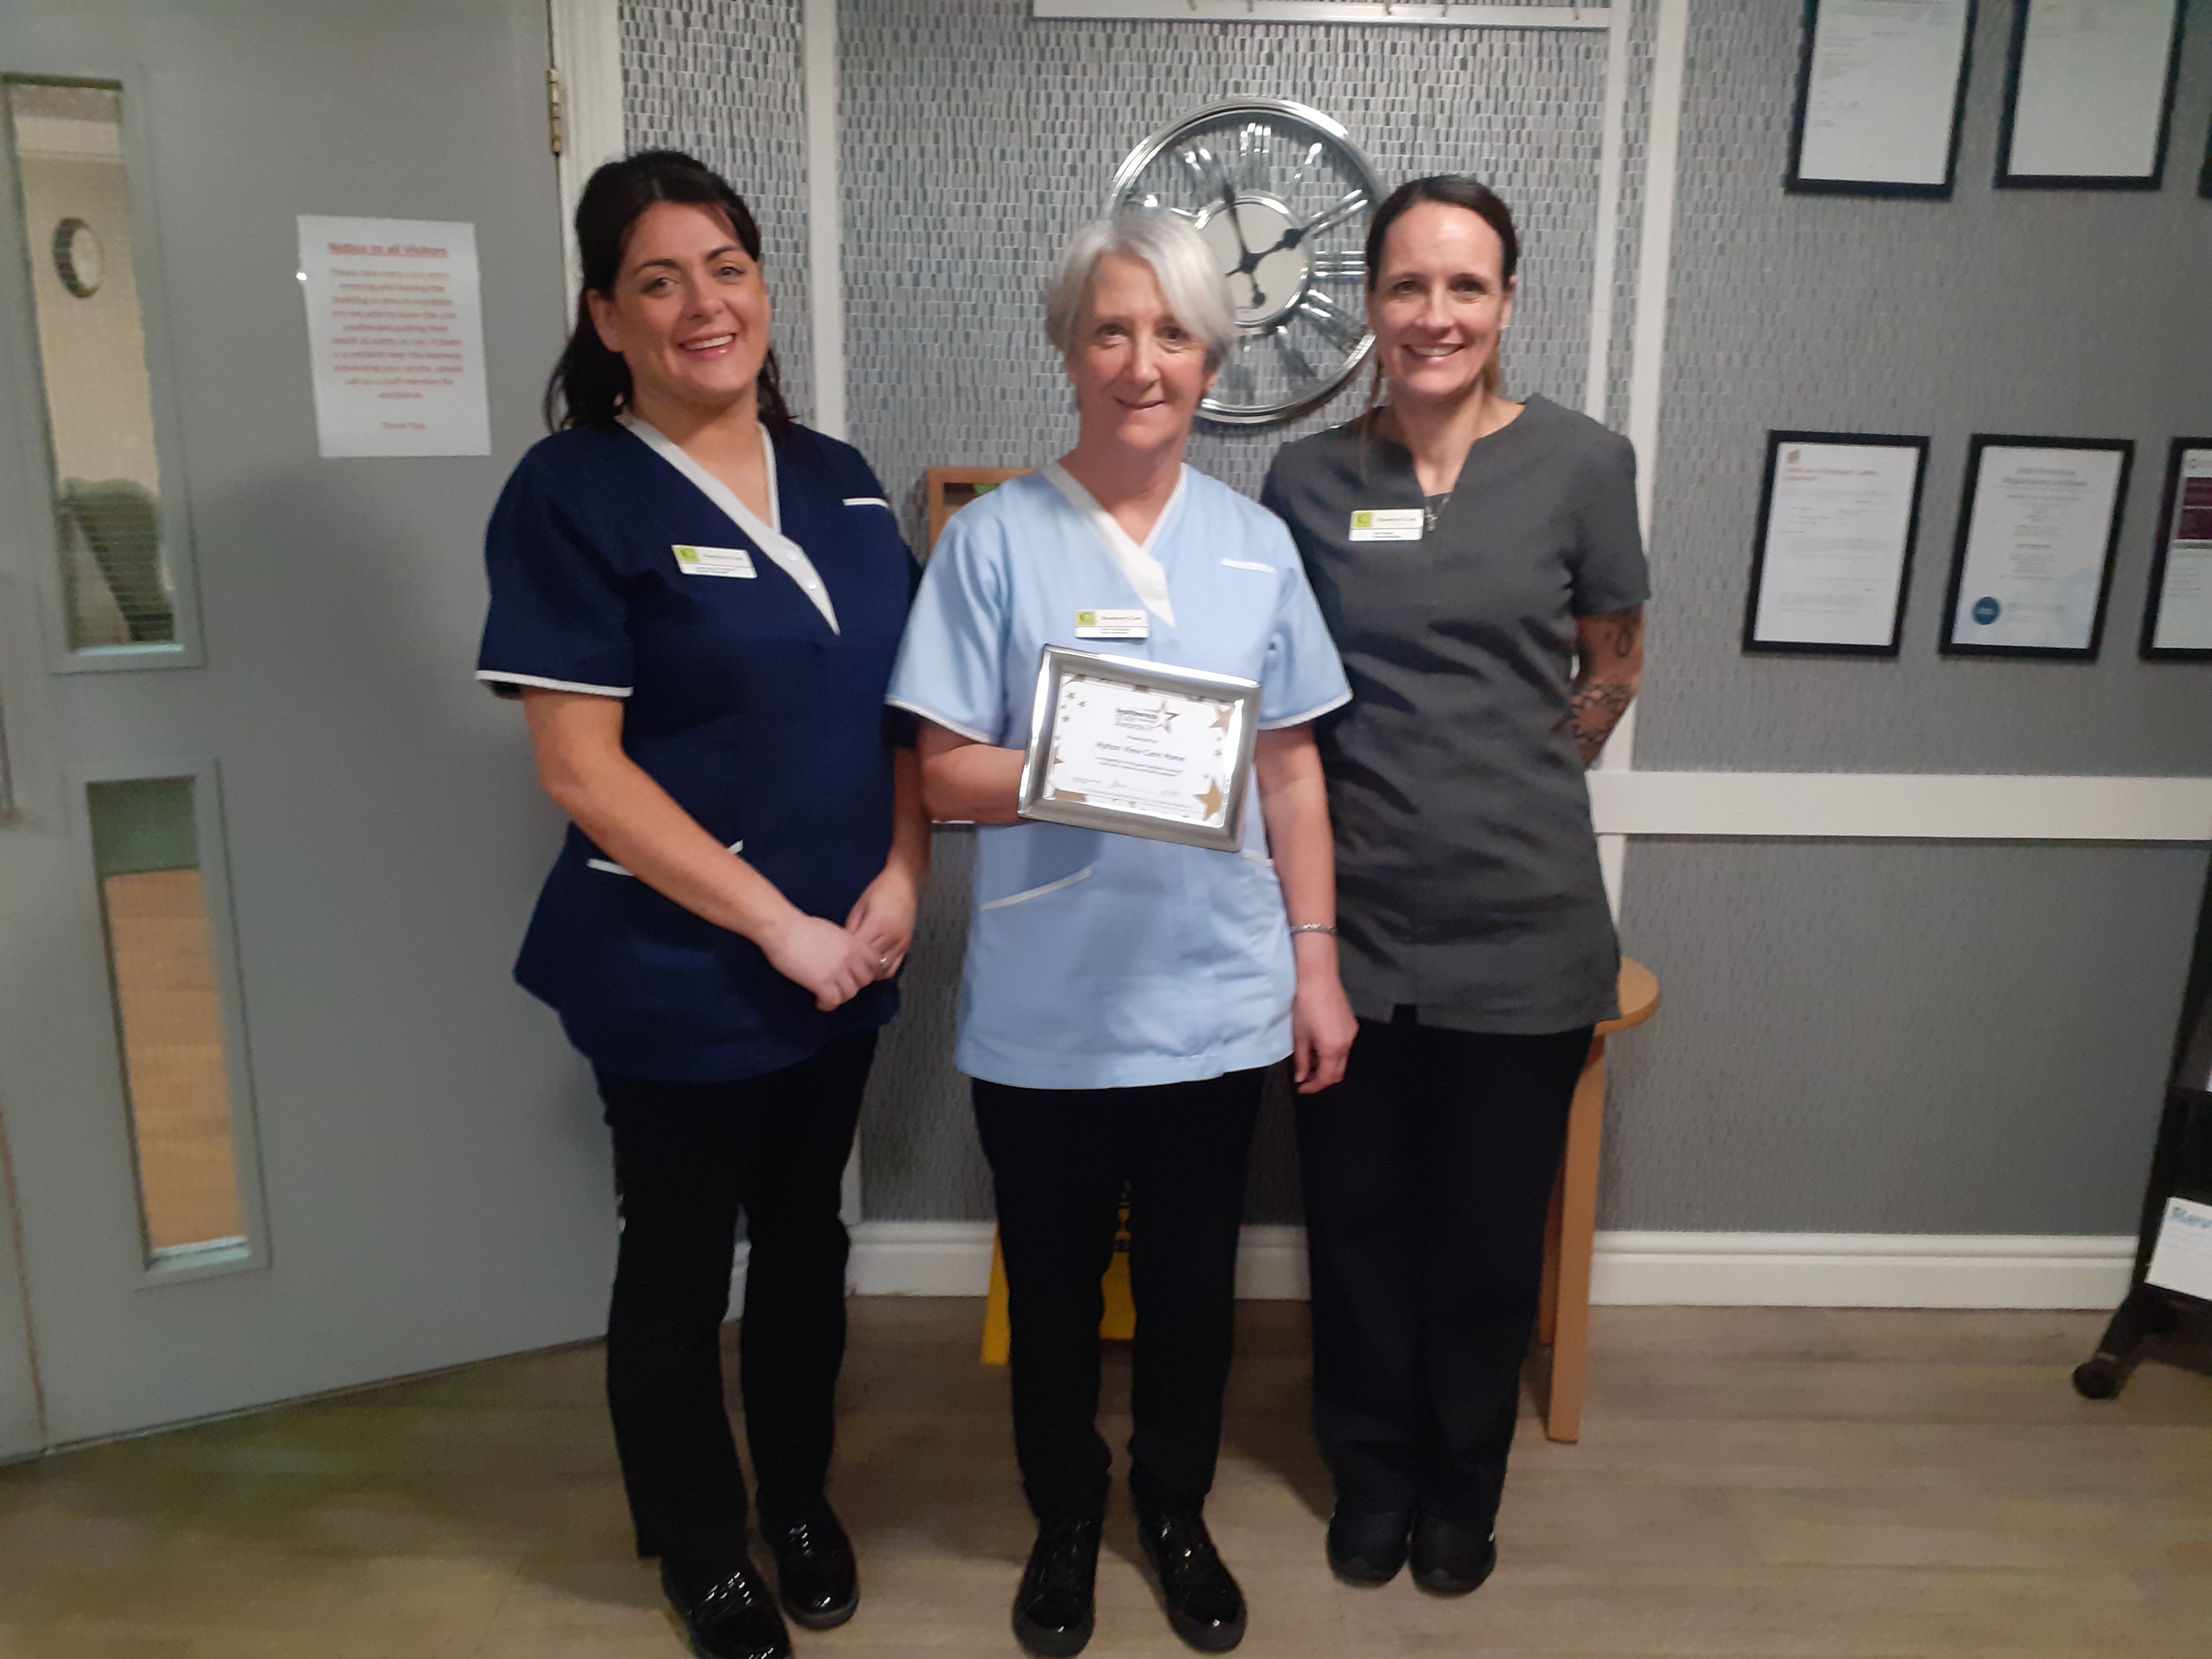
[[1621, 631], [1597, 707]]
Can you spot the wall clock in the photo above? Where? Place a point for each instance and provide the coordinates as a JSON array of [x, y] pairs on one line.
[[1283, 196]]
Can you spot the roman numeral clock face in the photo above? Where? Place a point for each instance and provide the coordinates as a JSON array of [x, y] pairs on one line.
[[1283, 197]]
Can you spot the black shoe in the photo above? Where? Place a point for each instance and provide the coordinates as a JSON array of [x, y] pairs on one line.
[[814, 1570], [725, 1606], [1367, 1547], [1449, 1560], [1204, 1604], [1053, 1608]]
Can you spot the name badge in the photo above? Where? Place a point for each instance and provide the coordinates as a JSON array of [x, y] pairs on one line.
[[1114, 625], [1386, 524], [714, 560]]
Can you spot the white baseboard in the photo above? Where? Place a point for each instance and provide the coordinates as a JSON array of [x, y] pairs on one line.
[[1860, 1270], [1662, 1269]]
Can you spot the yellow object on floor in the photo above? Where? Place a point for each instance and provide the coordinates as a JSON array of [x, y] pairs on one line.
[[1118, 1325]]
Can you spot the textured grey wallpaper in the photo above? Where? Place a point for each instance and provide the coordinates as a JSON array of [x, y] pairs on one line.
[[1897, 1037], [2066, 312], [724, 80], [977, 138]]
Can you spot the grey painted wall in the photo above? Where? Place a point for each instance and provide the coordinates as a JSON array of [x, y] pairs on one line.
[[1876, 1037], [2068, 312], [724, 80]]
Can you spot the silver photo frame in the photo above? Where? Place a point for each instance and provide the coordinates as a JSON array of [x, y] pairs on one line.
[[1140, 748]]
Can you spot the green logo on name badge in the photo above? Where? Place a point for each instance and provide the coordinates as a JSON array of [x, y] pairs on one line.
[[1365, 520], [1086, 619], [687, 556]]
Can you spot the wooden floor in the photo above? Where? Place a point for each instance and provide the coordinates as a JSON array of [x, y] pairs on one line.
[[1750, 1482]]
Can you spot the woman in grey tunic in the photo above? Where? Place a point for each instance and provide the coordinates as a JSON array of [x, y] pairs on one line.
[[1479, 565]]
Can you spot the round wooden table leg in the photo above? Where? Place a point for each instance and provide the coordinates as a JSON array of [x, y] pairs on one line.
[[1577, 1212]]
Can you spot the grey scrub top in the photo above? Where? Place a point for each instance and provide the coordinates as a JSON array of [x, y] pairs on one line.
[[1466, 871]]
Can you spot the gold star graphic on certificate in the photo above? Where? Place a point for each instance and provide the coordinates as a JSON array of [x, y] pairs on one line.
[[1212, 799], [1221, 721]]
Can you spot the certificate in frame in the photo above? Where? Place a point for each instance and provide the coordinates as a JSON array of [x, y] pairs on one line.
[[1834, 582], [1881, 99], [2032, 567], [2078, 89], [2181, 562], [1140, 748]]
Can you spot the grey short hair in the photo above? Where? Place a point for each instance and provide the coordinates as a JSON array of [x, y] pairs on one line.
[[1179, 258]]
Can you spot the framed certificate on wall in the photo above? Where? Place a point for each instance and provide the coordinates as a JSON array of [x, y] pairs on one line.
[[1882, 91], [2178, 617], [2089, 93], [1837, 516], [2037, 526]]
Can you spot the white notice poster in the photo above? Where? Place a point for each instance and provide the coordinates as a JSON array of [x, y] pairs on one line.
[[1881, 92], [2184, 616], [1839, 526], [2090, 101], [2182, 1258], [395, 336], [2031, 571]]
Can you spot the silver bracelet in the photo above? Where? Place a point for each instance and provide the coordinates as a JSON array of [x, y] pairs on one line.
[[1314, 928]]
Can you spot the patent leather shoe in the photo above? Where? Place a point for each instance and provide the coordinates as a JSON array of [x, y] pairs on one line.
[[1204, 1604], [1053, 1609], [726, 1608], [1368, 1547], [1451, 1559], [815, 1573]]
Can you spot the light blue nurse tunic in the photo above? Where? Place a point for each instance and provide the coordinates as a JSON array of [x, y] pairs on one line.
[[1097, 960]]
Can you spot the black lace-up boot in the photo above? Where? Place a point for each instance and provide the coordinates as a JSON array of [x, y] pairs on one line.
[[1052, 1608], [814, 1568], [1449, 1559], [1203, 1603]]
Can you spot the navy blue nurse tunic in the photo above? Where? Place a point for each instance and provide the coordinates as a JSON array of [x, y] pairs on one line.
[[760, 717]]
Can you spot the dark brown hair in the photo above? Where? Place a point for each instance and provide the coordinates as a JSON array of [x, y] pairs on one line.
[[1457, 190], [590, 386]]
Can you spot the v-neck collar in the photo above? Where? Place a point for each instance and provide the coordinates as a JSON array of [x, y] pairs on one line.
[[1136, 562], [767, 534]]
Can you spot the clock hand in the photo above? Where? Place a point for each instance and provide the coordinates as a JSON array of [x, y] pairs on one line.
[[1249, 265]]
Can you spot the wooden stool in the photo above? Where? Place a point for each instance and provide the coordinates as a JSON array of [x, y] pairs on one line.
[[1563, 1322]]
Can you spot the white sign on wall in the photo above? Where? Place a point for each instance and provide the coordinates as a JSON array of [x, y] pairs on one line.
[[395, 335]]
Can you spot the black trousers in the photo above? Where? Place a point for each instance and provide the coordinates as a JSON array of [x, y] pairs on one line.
[[1428, 1175], [688, 1157], [1059, 1159]]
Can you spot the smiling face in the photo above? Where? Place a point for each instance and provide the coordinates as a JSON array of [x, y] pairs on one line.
[[689, 313], [1441, 299], [1138, 373]]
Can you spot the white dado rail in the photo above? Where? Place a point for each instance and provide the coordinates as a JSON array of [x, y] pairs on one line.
[[1901, 806], [1429, 12]]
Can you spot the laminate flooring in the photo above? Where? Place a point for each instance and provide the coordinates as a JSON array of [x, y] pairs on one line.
[[1751, 1482]]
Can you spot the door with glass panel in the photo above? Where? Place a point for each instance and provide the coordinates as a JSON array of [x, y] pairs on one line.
[[275, 1120]]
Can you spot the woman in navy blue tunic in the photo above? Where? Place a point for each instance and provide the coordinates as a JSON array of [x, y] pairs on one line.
[[698, 601]]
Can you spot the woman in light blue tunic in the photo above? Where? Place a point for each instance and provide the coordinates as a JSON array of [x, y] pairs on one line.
[[1123, 997]]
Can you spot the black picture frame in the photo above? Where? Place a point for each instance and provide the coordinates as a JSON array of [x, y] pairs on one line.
[[1793, 182], [2169, 504], [1776, 440], [1982, 442], [2006, 179]]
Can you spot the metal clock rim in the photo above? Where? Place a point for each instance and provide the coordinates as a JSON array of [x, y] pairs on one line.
[[1148, 149]]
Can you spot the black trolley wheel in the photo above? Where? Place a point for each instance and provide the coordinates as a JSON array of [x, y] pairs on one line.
[[2100, 1377]]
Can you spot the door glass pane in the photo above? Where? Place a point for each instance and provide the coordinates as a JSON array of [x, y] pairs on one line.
[[160, 947], [75, 198]]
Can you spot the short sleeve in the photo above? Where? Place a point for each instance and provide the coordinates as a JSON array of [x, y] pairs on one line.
[[951, 664], [1609, 570], [1302, 678], [558, 619]]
